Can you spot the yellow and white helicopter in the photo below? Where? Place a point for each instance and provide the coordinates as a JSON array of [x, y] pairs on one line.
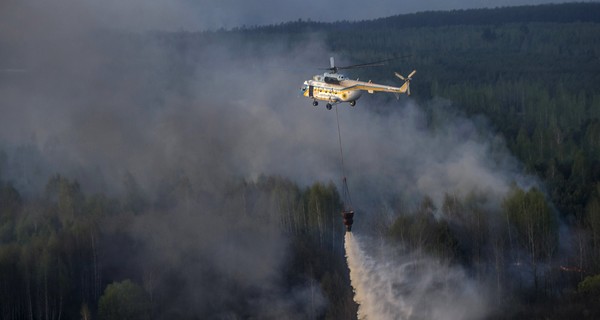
[[335, 88]]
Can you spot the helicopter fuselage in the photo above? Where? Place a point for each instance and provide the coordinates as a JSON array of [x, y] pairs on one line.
[[336, 88], [330, 91]]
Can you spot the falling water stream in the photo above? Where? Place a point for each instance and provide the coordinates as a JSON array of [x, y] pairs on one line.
[[400, 286]]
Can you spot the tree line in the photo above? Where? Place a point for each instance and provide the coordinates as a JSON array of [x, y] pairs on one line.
[[68, 254]]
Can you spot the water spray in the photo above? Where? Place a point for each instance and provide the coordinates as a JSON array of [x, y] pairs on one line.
[[394, 284]]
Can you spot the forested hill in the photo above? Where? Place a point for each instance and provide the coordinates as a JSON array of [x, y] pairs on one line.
[[563, 13], [551, 13]]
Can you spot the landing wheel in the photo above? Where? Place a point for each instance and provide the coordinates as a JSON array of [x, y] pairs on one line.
[[328, 106], [315, 103], [352, 103]]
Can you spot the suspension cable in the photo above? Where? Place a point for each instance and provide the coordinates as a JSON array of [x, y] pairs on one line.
[[345, 190]]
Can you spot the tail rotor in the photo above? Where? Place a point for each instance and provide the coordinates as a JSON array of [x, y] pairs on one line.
[[406, 80]]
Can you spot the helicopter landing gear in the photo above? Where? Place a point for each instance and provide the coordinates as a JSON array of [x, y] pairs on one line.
[[328, 106], [315, 103], [352, 103]]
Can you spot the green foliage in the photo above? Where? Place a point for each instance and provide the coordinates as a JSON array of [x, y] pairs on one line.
[[45, 245], [68, 198], [10, 205], [470, 225], [590, 286], [535, 224], [323, 208], [593, 222], [420, 230], [124, 300]]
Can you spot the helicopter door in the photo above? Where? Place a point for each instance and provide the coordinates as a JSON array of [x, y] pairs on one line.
[[310, 91]]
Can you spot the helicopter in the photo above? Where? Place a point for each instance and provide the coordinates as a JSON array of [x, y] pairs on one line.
[[335, 88]]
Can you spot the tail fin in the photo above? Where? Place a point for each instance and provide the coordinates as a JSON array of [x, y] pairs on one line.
[[406, 86]]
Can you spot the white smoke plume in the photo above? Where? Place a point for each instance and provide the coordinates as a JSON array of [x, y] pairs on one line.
[[388, 285]]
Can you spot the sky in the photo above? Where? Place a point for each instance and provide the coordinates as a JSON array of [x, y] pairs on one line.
[[194, 15]]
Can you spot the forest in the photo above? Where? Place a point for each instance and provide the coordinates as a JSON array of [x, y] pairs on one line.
[[194, 239]]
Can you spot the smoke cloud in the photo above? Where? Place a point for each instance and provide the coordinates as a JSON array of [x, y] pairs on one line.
[[447, 154]]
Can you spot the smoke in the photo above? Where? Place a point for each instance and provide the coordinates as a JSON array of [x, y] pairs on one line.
[[98, 104], [120, 111], [399, 285], [217, 261]]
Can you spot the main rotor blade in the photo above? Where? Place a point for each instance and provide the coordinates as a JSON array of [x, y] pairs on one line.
[[334, 69], [366, 65], [371, 64]]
